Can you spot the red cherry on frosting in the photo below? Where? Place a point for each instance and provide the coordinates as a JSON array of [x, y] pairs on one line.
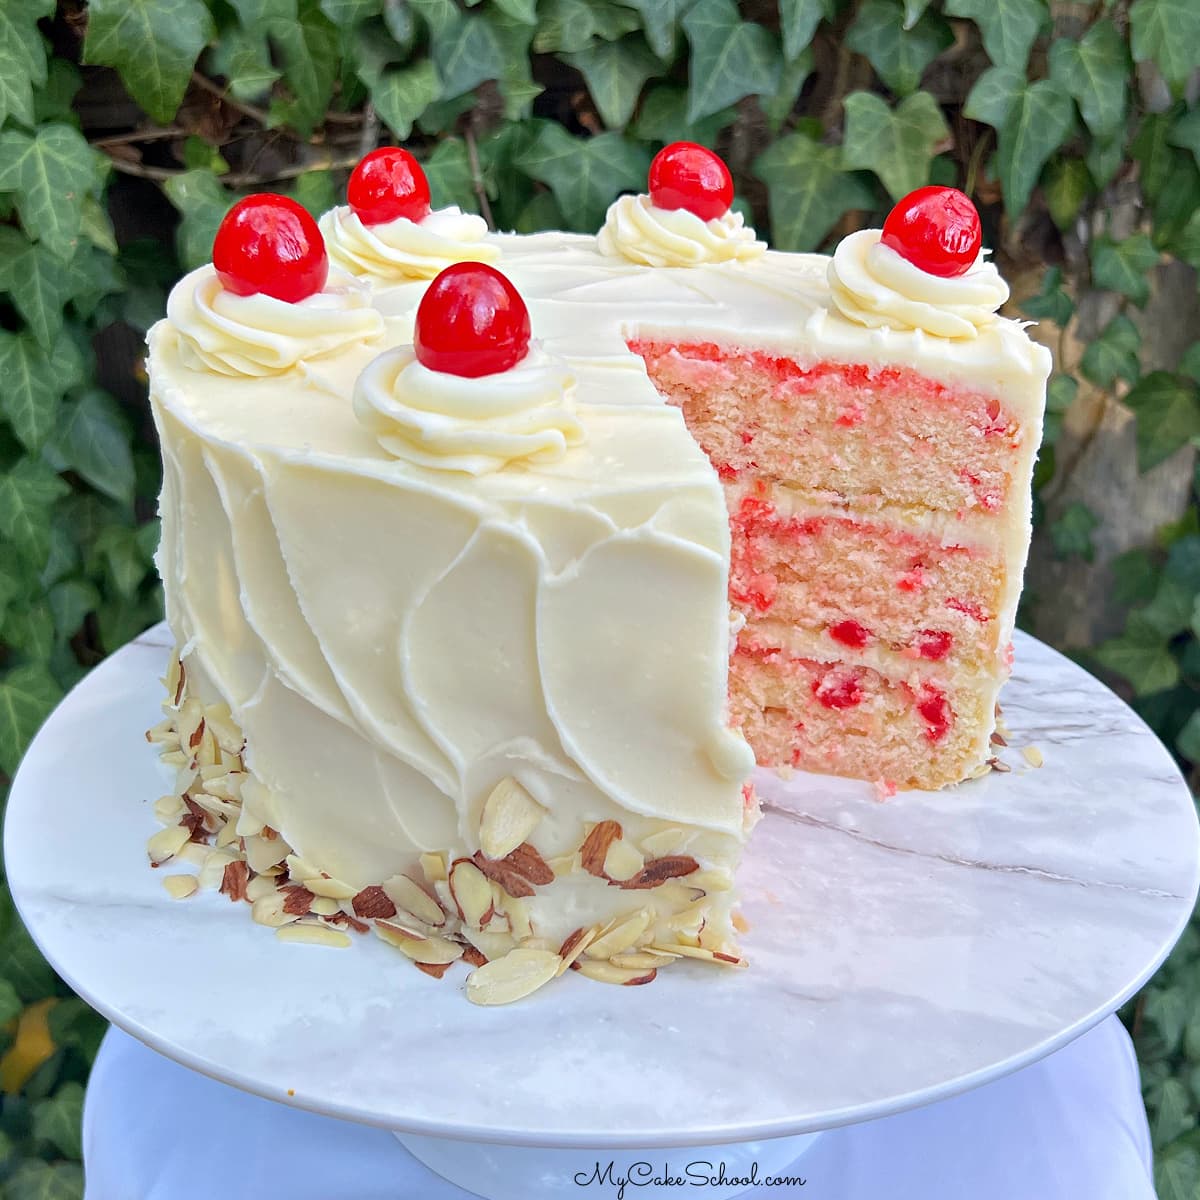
[[471, 321], [387, 184], [684, 175], [936, 229], [270, 244]]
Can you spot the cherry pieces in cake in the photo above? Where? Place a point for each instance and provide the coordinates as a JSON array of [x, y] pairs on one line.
[[388, 183], [937, 230], [471, 322], [270, 244], [685, 175]]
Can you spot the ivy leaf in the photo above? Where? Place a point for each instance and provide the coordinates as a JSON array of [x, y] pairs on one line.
[[1008, 27], [1060, 395], [913, 10], [1167, 32], [585, 174], [808, 190], [1072, 532], [1123, 266], [1168, 415], [1113, 355], [899, 57], [993, 96], [730, 58], [50, 173], [1037, 124], [58, 1119], [26, 494], [778, 108], [93, 439], [615, 73], [203, 201], [27, 694], [30, 630], [662, 117], [1177, 1169], [244, 58], [32, 388], [897, 144], [1051, 301], [152, 44], [1185, 132], [516, 81], [70, 601], [401, 95], [37, 283], [660, 23], [1173, 1112], [798, 21], [466, 56], [1141, 656], [448, 170], [1066, 184], [345, 14], [1151, 148], [310, 47], [22, 60], [1094, 70], [10, 1003]]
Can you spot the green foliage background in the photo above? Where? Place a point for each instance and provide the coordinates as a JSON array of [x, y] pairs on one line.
[[127, 127]]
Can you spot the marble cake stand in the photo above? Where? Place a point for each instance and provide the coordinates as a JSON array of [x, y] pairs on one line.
[[901, 952]]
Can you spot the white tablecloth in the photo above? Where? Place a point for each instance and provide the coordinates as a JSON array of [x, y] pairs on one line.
[[1071, 1127]]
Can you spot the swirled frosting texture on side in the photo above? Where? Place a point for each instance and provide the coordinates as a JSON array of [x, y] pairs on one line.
[[874, 286], [640, 231], [403, 249], [455, 423], [259, 335]]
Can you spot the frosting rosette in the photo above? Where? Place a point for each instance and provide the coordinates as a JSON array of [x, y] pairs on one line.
[[874, 286], [403, 249], [459, 423], [637, 229], [259, 335]]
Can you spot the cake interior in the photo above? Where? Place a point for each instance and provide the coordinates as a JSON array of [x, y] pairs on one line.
[[867, 561]]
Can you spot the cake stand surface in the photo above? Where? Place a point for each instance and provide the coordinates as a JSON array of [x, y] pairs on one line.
[[901, 952]]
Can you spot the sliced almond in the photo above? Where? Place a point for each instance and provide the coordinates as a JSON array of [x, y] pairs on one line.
[[1032, 755], [663, 842], [227, 787], [180, 887], [472, 893], [195, 853], [166, 843], [372, 902], [430, 949], [227, 834], [213, 871], [260, 886], [434, 866], [223, 727], [168, 809], [251, 826], [491, 943], [703, 954], [190, 724], [409, 895], [595, 846], [163, 734], [564, 864], [234, 880], [712, 879], [173, 681], [520, 921], [510, 815], [605, 972], [326, 885], [299, 869], [518, 974], [621, 936], [622, 861], [315, 935], [324, 906], [638, 960], [574, 945], [261, 853], [269, 910]]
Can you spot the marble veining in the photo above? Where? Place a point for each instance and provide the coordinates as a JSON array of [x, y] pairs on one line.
[[901, 950]]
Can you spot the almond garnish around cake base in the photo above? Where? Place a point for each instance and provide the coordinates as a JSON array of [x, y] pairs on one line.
[[518, 974]]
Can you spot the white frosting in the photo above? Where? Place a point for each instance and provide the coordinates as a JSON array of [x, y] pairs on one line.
[[874, 286], [637, 229], [477, 425], [404, 249], [258, 335]]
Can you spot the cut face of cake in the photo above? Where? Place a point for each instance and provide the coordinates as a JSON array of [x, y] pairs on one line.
[[490, 590]]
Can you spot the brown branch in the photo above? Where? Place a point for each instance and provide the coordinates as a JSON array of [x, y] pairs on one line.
[[485, 208], [245, 179], [140, 135], [370, 131], [222, 94]]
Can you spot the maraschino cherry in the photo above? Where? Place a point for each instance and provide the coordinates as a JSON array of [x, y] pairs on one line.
[[471, 321], [387, 184], [684, 175], [936, 229], [270, 244]]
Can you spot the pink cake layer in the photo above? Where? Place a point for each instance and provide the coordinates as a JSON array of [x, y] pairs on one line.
[[864, 582], [841, 428], [864, 504]]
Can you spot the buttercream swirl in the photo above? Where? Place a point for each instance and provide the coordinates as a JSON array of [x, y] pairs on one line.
[[476, 425], [637, 229], [259, 335], [404, 249], [872, 285]]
